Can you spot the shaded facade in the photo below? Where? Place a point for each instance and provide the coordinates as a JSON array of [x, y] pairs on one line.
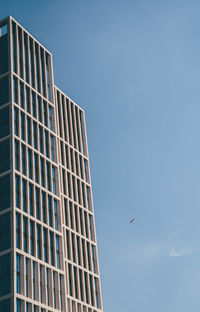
[[48, 251]]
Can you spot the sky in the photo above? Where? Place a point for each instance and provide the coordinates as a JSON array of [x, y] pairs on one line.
[[134, 67]]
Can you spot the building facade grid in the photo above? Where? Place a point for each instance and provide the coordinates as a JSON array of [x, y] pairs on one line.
[[48, 250]]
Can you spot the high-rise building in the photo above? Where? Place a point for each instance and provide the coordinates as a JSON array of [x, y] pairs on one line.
[[48, 250]]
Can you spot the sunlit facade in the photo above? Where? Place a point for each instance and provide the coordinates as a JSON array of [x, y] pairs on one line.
[[48, 251]]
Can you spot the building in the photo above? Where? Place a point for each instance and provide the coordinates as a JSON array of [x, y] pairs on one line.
[[48, 251]]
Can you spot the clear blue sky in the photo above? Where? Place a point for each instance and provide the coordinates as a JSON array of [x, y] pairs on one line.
[[134, 66]]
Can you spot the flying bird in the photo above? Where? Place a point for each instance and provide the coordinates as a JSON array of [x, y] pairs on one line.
[[131, 221]]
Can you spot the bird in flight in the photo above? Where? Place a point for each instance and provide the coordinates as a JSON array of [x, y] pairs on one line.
[[131, 221]]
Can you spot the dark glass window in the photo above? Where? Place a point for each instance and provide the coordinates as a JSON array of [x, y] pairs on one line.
[[25, 233], [32, 63], [18, 273], [44, 207], [19, 305], [29, 130], [28, 100], [32, 249], [45, 244], [34, 104], [16, 116], [4, 122], [35, 134], [16, 155], [26, 57], [17, 191], [23, 155], [14, 47], [5, 230], [3, 54], [4, 91], [15, 86], [56, 214], [5, 305], [4, 156], [52, 147], [24, 194], [31, 199], [39, 241], [42, 171], [22, 126], [18, 230], [37, 202], [4, 192], [36, 158], [21, 94], [30, 164], [50, 118], [52, 248], [5, 278], [54, 179], [57, 252], [50, 210]]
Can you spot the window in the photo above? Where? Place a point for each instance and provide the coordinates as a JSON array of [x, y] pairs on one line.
[[5, 155], [4, 122], [41, 139], [57, 252], [54, 179], [16, 116], [44, 207], [34, 278], [26, 57], [24, 194], [27, 277], [50, 118], [39, 241], [21, 94], [5, 305], [5, 276], [5, 231], [29, 140], [31, 199], [39, 109], [56, 214], [32, 249], [17, 188], [45, 244], [23, 126], [42, 171], [47, 143], [36, 168], [23, 155], [18, 282], [52, 248], [30, 171], [52, 147], [34, 104], [54, 288], [4, 91], [37, 202], [18, 230], [45, 112], [48, 175], [28, 108], [41, 297], [15, 86], [3, 51], [25, 233], [35, 134], [19, 306]]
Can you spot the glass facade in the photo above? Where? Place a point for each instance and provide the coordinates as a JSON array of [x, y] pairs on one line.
[[45, 192]]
